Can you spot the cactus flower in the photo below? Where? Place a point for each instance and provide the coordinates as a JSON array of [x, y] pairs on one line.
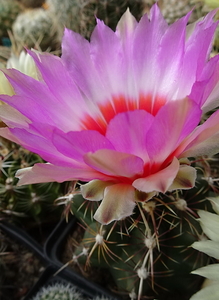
[[25, 64], [121, 112]]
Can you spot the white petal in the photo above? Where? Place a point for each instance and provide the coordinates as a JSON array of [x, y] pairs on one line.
[[210, 293], [210, 224], [211, 272], [118, 203], [208, 247], [214, 203], [185, 178], [94, 190]]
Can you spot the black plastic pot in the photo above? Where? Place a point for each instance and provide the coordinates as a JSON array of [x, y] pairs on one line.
[[23, 238], [49, 256], [54, 243], [52, 250]]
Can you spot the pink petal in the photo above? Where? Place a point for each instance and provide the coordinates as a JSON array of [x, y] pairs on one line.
[[160, 181], [95, 64], [204, 140], [206, 88], [174, 121], [76, 144], [62, 87], [6, 133], [107, 56], [76, 56], [145, 48], [170, 58], [31, 108], [44, 104], [40, 145], [114, 163], [128, 135], [118, 203], [197, 49], [40, 173], [13, 117], [125, 30], [159, 51]]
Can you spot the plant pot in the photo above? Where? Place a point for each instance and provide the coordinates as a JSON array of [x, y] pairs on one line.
[[22, 262], [52, 250], [22, 237], [49, 256]]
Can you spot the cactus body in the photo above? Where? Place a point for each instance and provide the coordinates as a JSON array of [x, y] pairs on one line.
[[9, 10], [175, 9], [148, 253], [80, 15], [37, 28], [31, 3], [58, 291]]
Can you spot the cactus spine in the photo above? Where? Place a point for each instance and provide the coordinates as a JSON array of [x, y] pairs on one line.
[[148, 253]]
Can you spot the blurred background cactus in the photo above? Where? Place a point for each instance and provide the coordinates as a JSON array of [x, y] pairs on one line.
[[40, 24], [9, 9], [37, 28], [31, 3], [79, 15], [173, 9]]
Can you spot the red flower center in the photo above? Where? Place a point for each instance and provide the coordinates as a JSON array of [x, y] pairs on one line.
[[119, 104]]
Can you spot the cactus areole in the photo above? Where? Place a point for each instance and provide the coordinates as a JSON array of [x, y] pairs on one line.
[[121, 112]]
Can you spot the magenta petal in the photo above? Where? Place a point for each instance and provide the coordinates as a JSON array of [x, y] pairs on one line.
[[23, 104], [146, 46], [31, 108], [170, 57], [62, 87], [76, 56], [204, 140], [172, 124], [12, 117], [40, 173], [34, 94], [6, 133], [128, 135], [76, 144], [125, 30], [40, 145], [118, 203], [206, 88], [197, 48], [160, 181], [107, 56], [114, 163]]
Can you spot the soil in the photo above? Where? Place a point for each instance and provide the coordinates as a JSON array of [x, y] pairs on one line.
[[19, 269]]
